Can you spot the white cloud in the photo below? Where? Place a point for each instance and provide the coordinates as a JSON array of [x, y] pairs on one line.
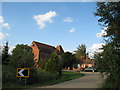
[[3, 23], [10, 49], [95, 48], [1, 19], [91, 54], [102, 33], [6, 25], [1, 49], [72, 30], [2, 35], [68, 19], [42, 19]]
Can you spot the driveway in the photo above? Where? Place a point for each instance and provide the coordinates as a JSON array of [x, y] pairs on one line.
[[90, 80]]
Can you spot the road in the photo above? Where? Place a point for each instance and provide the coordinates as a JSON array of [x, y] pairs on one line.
[[90, 80]]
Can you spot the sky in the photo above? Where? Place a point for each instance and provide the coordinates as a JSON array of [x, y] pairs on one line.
[[68, 24]]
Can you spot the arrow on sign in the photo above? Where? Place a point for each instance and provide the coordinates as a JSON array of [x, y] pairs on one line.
[[20, 72]]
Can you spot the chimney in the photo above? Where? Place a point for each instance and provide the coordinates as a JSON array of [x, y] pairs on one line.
[[59, 48], [87, 57]]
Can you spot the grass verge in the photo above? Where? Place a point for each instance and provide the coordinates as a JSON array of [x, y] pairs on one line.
[[66, 76]]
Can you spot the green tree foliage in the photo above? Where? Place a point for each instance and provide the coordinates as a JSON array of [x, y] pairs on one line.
[[109, 60], [81, 51], [54, 64], [68, 60], [22, 56], [42, 63], [8, 75], [5, 54]]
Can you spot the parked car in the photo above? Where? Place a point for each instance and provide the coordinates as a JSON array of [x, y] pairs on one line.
[[93, 69]]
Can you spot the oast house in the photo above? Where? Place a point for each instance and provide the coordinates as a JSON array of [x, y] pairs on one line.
[[43, 51]]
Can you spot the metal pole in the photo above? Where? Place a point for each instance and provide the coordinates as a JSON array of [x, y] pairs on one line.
[[19, 79], [25, 81]]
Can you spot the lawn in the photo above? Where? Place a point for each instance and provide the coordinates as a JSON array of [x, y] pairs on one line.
[[66, 76]]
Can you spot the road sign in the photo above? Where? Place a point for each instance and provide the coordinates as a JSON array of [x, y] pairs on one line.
[[22, 72]]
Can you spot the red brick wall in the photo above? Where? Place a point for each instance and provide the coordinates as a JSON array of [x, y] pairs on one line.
[[43, 51], [35, 51]]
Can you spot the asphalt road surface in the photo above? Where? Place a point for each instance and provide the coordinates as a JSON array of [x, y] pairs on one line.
[[90, 80]]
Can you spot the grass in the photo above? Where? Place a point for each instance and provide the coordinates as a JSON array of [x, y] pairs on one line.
[[66, 76]]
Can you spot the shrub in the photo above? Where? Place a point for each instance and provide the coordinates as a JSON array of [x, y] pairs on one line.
[[44, 76], [54, 65], [8, 75]]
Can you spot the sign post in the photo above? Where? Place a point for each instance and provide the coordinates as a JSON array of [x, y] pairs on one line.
[[23, 72], [25, 81]]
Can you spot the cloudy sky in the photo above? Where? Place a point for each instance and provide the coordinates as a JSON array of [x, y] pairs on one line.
[[67, 24]]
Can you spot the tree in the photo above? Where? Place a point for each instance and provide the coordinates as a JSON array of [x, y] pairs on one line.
[[22, 57], [109, 59], [81, 51], [54, 64], [68, 60], [5, 54]]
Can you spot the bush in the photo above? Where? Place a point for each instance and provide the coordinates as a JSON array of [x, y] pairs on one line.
[[44, 76], [8, 75], [32, 79], [37, 76], [9, 78], [54, 65]]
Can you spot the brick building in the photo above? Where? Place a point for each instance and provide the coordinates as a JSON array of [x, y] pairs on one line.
[[43, 51], [86, 62]]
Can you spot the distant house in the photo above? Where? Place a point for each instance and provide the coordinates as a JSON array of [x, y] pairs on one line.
[[86, 62], [44, 51]]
